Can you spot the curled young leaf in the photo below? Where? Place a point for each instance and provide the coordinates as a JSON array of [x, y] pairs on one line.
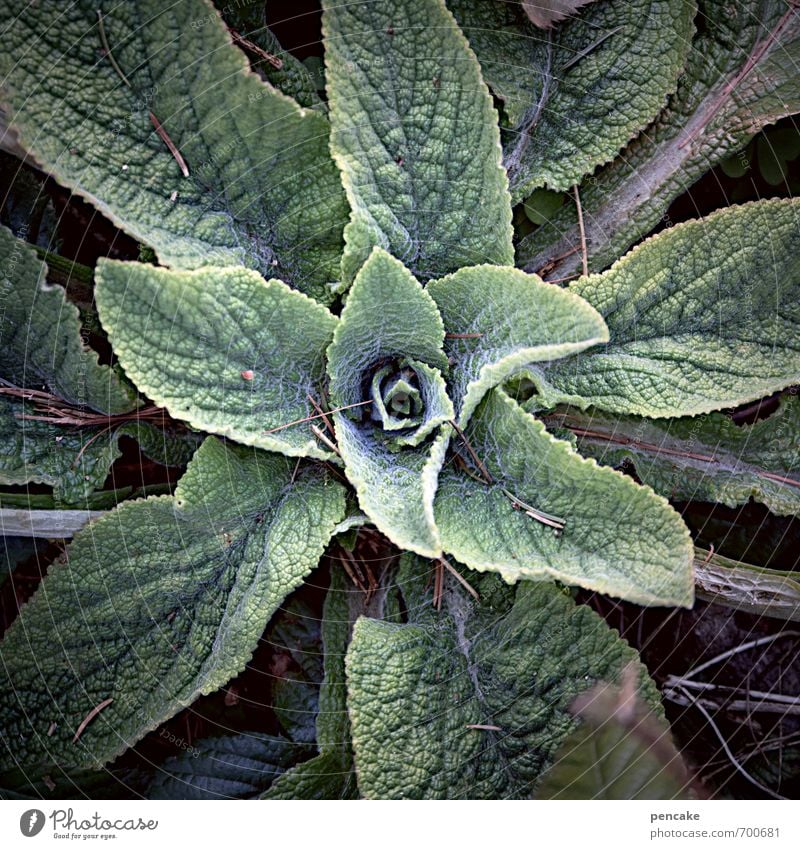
[[385, 365]]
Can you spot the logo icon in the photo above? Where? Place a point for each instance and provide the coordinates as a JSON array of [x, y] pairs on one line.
[[31, 822]]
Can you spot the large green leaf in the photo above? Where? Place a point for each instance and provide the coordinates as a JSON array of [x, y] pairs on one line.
[[501, 319], [740, 76], [40, 336], [233, 766], [702, 316], [159, 602], [390, 319], [619, 538], [262, 189], [700, 458], [329, 775], [415, 135], [416, 691], [220, 348], [575, 95]]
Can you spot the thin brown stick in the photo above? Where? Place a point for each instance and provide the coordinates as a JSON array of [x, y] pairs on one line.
[[582, 231], [438, 583], [252, 47], [479, 727], [551, 263], [89, 717], [348, 567], [545, 518], [587, 50], [726, 748], [322, 413], [318, 416], [463, 335], [171, 146], [322, 437], [460, 578], [107, 48], [475, 458]]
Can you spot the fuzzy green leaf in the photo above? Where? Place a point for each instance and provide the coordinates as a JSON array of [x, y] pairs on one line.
[[414, 690], [159, 602], [388, 315], [619, 538], [702, 316], [700, 458], [40, 336], [739, 78], [262, 189], [191, 339], [577, 94], [388, 318], [415, 135], [518, 320]]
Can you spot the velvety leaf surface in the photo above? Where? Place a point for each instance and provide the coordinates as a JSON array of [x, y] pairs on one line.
[[235, 766], [330, 774], [40, 336], [389, 316], [514, 319], [740, 77], [575, 95], [220, 348], [700, 458], [262, 189], [414, 689], [159, 602], [619, 538], [702, 316], [415, 135]]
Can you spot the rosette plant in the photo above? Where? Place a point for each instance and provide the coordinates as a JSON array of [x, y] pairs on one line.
[[333, 303]]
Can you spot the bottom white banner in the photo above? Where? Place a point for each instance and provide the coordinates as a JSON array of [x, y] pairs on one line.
[[741, 824]]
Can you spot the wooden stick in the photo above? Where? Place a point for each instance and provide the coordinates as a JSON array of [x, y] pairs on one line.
[[318, 416], [475, 458], [89, 717], [582, 230]]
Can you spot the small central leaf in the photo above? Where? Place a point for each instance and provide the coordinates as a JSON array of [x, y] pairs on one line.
[[388, 348]]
